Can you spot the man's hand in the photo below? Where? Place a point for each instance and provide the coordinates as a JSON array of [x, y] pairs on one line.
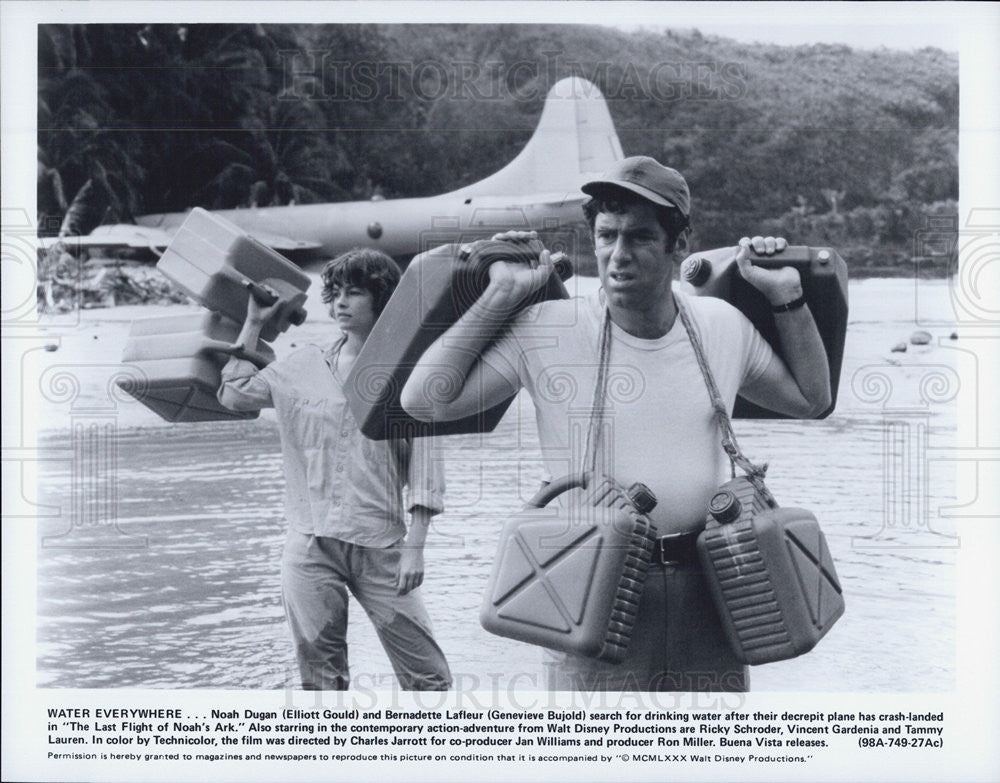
[[410, 573], [780, 286], [511, 283], [766, 246]]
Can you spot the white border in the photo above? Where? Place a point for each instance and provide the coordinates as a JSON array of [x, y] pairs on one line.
[[972, 754]]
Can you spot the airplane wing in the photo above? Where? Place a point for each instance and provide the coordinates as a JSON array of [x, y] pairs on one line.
[[131, 237], [283, 244], [120, 236]]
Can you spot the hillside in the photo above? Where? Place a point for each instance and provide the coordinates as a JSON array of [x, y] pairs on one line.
[[823, 143]]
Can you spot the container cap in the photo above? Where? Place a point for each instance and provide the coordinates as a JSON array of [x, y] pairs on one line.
[[642, 497], [696, 270], [725, 507]]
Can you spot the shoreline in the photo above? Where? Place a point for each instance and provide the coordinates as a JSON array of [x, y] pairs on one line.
[[145, 278], [84, 348]]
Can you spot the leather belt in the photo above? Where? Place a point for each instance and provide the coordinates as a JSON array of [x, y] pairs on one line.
[[676, 549]]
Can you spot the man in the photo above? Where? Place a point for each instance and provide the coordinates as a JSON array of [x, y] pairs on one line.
[[658, 425]]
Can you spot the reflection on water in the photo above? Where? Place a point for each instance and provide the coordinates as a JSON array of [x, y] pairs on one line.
[[184, 591]]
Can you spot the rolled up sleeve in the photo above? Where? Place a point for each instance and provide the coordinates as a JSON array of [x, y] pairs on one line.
[[244, 387], [425, 477]]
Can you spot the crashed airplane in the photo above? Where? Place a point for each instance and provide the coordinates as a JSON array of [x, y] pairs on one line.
[[538, 190]]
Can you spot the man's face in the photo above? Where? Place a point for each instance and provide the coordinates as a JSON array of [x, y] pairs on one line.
[[633, 262]]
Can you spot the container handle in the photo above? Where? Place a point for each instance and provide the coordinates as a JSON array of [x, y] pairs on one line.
[[639, 495], [238, 350], [296, 315], [263, 297], [552, 490]]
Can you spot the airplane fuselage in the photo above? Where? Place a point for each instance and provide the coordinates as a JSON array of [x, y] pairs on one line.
[[404, 227], [573, 142]]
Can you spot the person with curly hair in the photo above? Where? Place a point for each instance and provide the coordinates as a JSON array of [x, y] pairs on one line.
[[344, 498]]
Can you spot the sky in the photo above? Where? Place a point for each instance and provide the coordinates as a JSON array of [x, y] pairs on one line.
[[902, 25], [897, 36]]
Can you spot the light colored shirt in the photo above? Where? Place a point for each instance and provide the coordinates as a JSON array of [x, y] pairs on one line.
[[338, 483], [659, 427]]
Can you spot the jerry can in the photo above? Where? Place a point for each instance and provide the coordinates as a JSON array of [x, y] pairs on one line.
[[435, 290], [179, 360], [569, 577], [770, 574], [824, 285], [214, 262]]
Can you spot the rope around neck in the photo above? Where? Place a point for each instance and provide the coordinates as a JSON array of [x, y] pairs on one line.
[[600, 395], [755, 473]]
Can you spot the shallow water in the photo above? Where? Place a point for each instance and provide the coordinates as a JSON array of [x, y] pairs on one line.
[[182, 589]]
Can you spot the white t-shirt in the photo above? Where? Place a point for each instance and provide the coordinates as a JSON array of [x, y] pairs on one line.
[[659, 426]]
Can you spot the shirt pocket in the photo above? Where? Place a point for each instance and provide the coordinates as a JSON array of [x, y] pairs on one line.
[[309, 421]]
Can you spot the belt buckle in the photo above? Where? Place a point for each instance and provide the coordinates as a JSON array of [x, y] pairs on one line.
[[661, 553], [680, 547]]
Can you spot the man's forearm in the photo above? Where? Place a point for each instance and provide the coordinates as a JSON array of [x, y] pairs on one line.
[[442, 373], [805, 356]]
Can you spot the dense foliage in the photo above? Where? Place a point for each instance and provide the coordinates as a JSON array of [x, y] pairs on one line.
[[823, 143]]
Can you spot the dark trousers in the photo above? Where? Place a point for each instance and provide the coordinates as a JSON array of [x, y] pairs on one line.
[[677, 644]]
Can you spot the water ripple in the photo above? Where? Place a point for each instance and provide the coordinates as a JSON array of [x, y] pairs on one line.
[[193, 600]]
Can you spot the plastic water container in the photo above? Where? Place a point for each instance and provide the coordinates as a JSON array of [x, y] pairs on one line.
[[179, 360], [435, 290], [770, 573], [824, 284], [569, 577], [212, 261]]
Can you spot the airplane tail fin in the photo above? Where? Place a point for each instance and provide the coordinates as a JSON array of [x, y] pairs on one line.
[[575, 138]]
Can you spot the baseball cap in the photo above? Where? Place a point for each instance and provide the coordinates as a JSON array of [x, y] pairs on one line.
[[650, 179]]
